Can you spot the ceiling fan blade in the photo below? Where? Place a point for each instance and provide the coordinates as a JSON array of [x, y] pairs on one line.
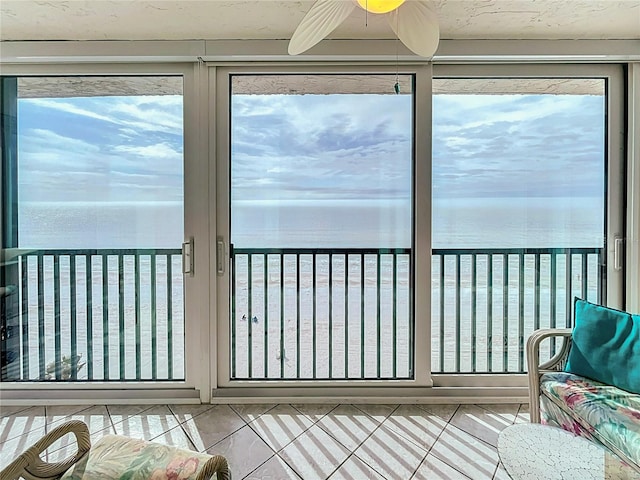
[[320, 21], [415, 23]]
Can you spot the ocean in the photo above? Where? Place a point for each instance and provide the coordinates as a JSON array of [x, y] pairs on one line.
[[457, 224]]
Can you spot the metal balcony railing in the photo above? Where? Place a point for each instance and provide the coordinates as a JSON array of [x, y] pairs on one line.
[[95, 315], [296, 314], [486, 302], [321, 314], [344, 314]]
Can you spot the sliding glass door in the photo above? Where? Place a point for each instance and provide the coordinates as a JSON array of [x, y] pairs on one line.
[[330, 247], [93, 192], [527, 207], [320, 222]]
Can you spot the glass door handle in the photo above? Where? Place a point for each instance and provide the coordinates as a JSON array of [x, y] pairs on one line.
[[187, 257], [220, 256], [618, 246]]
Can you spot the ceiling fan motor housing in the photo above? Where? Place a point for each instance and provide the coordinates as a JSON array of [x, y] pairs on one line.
[[380, 6]]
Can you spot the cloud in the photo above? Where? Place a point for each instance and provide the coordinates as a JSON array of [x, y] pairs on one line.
[[157, 158], [522, 145], [40, 138], [44, 149], [78, 149], [484, 145], [322, 147], [134, 115], [67, 107], [160, 150], [149, 113]]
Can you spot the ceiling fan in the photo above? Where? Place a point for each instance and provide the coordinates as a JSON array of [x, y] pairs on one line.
[[414, 22]]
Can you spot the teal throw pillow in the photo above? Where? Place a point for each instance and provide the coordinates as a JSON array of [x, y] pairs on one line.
[[606, 346]]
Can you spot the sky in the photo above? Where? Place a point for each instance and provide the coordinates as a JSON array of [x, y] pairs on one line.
[[518, 145], [315, 148], [359, 146], [296, 147], [103, 149], [319, 147]]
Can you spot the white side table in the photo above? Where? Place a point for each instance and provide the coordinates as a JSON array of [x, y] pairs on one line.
[[541, 452]]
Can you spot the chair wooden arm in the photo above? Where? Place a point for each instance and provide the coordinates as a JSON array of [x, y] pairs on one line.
[[29, 465], [556, 363], [215, 465]]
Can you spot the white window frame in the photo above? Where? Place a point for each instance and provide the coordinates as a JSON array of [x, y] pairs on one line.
[[220, 83], [470, 57], [195, 387], [632, 260], [615, 173]]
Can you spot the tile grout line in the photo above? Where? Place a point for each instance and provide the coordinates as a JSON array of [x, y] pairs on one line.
[[294, 439], [184, 431], [284, 446], [475, 437], [222, 439], [113, 428], [125, 418], [495, 472], [323, 415], [471, 434], [270, 458], [434, 443], [353, 453], [66, 417], [243, 419], [339, 442], [428, 450], [179, 426], [275, 453], [313, 421], [89, 427]]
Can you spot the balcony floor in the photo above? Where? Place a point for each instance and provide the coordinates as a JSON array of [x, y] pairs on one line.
[[296, 441]]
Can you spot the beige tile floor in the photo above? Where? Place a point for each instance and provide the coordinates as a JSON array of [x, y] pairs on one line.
[[350, 442]]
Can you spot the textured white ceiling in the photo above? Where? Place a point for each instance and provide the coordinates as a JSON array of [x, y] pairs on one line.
[[268, 19], [45, 87]]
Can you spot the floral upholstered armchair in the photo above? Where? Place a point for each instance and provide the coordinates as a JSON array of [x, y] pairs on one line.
[[114, 457], [591, 387]]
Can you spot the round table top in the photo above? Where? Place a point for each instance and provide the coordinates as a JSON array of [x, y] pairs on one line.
[[534, 451]]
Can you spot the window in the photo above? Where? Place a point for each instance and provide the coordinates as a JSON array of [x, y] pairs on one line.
[[519, 213], [321, 226], [95, 228]]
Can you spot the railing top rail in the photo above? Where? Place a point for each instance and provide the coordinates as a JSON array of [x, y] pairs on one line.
[[517, 251], [318, 251], [98, 251], [314, 251], [435, 251]]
